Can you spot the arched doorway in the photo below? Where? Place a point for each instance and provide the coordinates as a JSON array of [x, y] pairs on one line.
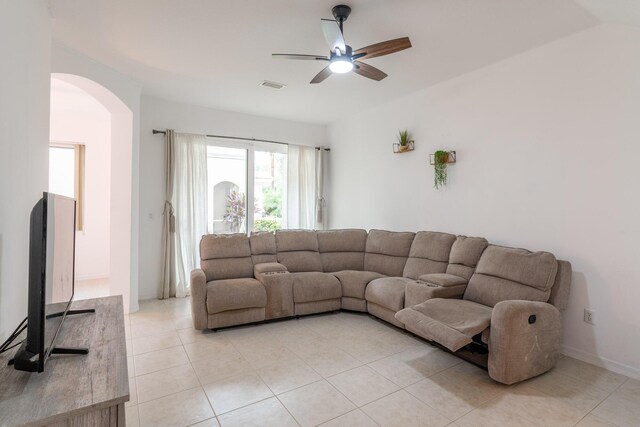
[[116, 165]]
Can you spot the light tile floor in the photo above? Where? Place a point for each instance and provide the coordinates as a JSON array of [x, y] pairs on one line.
[[343, 369]]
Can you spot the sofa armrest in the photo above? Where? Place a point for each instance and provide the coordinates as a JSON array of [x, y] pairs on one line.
[[524, 340], [199, 299], [278, 284], [419, 291], [268, 267], [443, 279]]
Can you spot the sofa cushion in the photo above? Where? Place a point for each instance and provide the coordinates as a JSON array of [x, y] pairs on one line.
[[298, 250], [450, 322], [342, 249], [300, 261], [296, 240], [387, 292], [216, 246], [560, 290], [234, 294], [464, 255], [386, 252], [263, 247], [354, 282], [510, 273], [225, 256], [315, 286], [429, 253]]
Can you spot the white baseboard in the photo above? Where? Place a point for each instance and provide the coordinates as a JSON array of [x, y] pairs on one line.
[[602, 362]]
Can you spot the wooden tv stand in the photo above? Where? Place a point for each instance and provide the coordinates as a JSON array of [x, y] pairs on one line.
[[73, 390]]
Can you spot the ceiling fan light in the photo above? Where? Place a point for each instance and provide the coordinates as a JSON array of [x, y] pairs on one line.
[[341, 65]]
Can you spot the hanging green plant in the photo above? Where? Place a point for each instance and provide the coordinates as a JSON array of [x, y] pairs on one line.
[[440, 160]]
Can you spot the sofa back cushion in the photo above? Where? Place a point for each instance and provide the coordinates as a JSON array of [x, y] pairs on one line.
[[429, 254], [465, 254], [225, 256], [263, 247], [298, 250], [512, 274], [386, 252], [342, 249], [560, 290]]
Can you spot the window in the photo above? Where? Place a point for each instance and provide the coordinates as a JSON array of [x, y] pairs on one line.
[[226, 189], [270, 185], [66, 174], [240, 172]]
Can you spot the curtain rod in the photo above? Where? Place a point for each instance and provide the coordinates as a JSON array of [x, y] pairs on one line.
[[155, 132]]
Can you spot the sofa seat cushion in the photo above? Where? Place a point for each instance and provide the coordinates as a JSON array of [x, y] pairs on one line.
[[387, 292], [450, 322], [355, 282], [234, 294], [315, 286]]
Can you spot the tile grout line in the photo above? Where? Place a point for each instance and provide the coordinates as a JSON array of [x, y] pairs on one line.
[[608, 396], [583, 382]]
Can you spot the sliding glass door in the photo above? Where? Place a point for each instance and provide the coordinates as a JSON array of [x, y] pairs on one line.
[[226, 189], [270, 190], [247, 186]]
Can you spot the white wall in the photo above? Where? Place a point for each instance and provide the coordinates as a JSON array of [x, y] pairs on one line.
[[160, 114], [122, 99], [79, 118], [548, 143], [25, 31]]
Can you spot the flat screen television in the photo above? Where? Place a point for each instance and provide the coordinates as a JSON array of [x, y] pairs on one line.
[[51, 280]]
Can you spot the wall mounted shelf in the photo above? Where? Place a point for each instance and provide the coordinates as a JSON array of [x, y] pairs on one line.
[[398, 149], [450, 159]]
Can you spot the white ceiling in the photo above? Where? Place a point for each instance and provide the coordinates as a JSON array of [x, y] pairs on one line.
[[214, 53]]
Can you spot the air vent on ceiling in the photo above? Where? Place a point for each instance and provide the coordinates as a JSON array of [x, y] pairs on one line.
[[272, 85]]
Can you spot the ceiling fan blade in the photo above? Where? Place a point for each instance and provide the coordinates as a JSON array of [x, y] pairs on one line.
[[299, 57], [382, 48], [322, 75], [366, 70], [333, 35]]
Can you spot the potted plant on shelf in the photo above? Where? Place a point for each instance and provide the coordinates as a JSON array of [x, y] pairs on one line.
[[404, 140], [440, 160]]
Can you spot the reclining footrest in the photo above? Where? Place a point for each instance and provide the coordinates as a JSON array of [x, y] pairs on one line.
[[451, 323]]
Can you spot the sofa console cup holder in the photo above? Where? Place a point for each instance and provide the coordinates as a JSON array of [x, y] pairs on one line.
[[270, 273]]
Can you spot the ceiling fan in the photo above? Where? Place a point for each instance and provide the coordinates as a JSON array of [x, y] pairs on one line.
[[342, 59]]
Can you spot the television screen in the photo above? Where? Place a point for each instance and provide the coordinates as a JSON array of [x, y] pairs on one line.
[[51, 278]]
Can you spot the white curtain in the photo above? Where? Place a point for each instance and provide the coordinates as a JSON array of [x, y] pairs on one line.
[[301, 187], [168, 286], [321, 203], [190, 205]]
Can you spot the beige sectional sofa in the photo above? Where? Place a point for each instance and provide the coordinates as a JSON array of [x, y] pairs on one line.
[[451, 290]]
